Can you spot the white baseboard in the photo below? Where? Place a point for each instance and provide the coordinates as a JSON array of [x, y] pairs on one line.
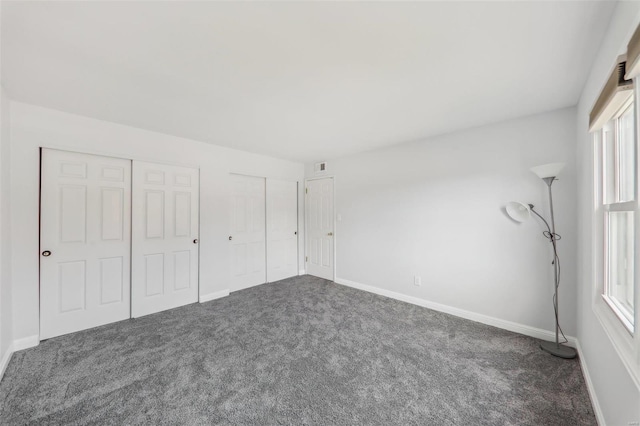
[[17, 345], [302, 272], [6, 357], [213, 296], [590, 388], [26, 343], [537, 333], [247, 286]]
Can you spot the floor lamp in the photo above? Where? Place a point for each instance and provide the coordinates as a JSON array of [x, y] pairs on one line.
[[521, 212]]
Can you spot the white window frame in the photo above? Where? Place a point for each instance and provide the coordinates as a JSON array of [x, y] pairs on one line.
[[625, 341], [625, 317]]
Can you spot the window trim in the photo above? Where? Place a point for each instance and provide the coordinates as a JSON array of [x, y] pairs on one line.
[[617, 206], [625, 343]]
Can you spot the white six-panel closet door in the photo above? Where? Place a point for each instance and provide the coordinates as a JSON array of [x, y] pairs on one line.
[[165, 237], [282, 229], [247, 237], [85, 235]]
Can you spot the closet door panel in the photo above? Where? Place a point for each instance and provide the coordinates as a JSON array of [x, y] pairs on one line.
[[282, 229], [247, 237], [85, 237], [165, 237]]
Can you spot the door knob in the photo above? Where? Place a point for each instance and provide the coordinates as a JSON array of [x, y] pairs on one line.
[[46, 253], [230, 238], [330, 234], [195, 241]]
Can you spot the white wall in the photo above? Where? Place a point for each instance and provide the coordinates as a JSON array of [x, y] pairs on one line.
[[435, 208], [5, 241], [6, 337], [33, 127], [617, 395]]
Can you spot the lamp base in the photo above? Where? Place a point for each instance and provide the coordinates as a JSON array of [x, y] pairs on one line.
[[558, 350]]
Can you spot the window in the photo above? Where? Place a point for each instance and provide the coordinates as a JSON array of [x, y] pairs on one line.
[[620, 210], [615, 126]]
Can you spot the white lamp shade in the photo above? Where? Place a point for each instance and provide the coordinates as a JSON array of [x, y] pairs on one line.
[[518, 211], [548, 170]]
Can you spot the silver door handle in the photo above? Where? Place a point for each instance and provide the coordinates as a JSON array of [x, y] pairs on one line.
[[230, 238], [330, 234], [46, 253], [195, 241]]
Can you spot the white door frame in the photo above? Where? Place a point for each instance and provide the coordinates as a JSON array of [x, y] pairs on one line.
[[306, 212], [112, 155]]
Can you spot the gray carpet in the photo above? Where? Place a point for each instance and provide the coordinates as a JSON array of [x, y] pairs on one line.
[[299, 351]]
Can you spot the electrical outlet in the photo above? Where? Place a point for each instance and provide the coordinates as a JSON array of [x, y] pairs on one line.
[[417, 280]]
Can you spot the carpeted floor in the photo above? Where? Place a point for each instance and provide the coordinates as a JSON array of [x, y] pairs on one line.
[[299, 351]]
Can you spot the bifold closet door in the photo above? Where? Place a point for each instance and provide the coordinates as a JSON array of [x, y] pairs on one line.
[[247, 237], [282, 229], [85, 237], [165, 237]]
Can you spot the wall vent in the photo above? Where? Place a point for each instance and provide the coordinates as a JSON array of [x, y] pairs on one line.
[[320, 167]]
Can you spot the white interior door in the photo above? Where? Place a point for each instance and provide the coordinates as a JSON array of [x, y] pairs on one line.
[[247, 236], [85, 236], [165, 237], [319, 219], [282, 229]]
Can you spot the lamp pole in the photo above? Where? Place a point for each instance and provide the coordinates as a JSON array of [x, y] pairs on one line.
[[521, 212], [555, 348], [549, 181]]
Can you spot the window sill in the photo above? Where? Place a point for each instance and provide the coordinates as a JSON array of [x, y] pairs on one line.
[[619, 314], [623, 342]]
